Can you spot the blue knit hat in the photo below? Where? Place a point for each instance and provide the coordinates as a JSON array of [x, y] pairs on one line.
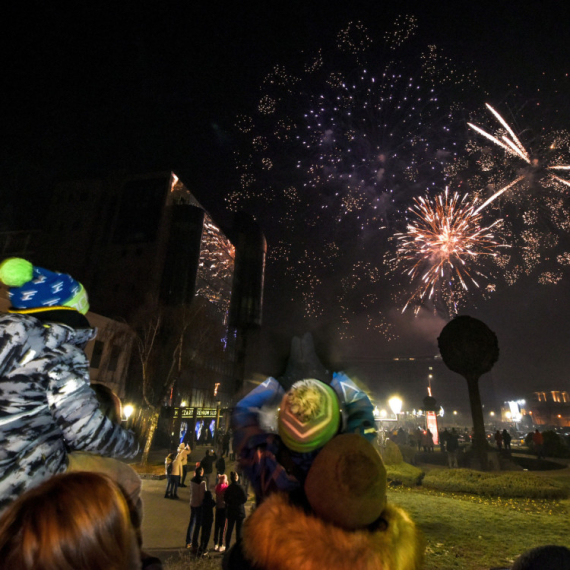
[[33, 288]]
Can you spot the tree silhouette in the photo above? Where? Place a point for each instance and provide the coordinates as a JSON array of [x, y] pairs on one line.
[[470, 348]]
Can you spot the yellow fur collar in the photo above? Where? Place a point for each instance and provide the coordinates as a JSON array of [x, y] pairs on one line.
[[279, 536]]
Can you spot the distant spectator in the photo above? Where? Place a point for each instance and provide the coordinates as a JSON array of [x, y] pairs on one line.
[[197, 490], [419, 436], [452, 449], [538, 442], [235, 499], [175, 475], [207, 520], [427, 440], [184, 452], [207, 463], [226, 443], [499, 440], [220, 526], [220, 468], [507, 439], [78, 521], [168, 472], [443, 438]]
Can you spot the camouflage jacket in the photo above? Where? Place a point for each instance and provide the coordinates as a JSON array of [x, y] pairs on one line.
[[46, 404]]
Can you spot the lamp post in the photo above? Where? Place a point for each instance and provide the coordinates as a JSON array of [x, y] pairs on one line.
[[395, 404], [128, 411]]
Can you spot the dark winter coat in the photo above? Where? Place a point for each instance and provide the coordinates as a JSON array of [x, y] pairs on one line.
[[221, 465], [207, 463], [208, 508], [47, 405], [235, 499]]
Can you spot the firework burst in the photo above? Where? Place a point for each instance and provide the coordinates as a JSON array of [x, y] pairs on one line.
[[335, 150], [443, 245]]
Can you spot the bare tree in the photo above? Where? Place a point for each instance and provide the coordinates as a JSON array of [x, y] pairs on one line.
[[169, 341]]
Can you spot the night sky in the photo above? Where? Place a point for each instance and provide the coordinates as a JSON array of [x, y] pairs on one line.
[[101, 86]]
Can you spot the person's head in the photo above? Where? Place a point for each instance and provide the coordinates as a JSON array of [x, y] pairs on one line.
[[199, 471], [309, 415], [542, 557], [109, 402], [73, 521], [207, 452], [35, 288], [234, 477], [223, 480]]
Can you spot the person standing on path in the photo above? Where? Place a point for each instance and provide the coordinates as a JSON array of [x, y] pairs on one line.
[[183, 453], [220, 525], [538, 441], [197, 490], [226, 443], [499, 440], [507, 440], [207, 463], [175, 476], [235, 499], [452, 448], [207, 520], [220, 468]]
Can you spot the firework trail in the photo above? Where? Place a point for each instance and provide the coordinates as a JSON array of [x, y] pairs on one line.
[[536, 196], [512, 145]]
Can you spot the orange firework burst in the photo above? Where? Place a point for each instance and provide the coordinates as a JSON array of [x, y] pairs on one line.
[[442, 243]]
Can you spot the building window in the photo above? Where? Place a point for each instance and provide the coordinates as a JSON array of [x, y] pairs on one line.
[[541, 396], [97, 353], [565, 397], [556, 396], [114, 358]]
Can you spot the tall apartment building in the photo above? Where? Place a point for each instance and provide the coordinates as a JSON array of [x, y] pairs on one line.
[[135, 239]]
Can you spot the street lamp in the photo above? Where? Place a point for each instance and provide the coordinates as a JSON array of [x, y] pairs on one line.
[[395, 404], [128, 411]]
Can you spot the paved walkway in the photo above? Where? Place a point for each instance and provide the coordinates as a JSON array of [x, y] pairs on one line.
[[165, 520]]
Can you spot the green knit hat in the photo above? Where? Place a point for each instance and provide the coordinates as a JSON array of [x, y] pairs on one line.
[[309, 415]]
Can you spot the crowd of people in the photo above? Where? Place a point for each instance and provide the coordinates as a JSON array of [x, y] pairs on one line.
[[66, 503]]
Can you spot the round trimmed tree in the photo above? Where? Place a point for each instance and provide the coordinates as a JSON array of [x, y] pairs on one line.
[[470, 348]]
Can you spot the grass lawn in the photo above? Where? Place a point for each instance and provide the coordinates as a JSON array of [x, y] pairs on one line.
[[466, 532], [479, 533]]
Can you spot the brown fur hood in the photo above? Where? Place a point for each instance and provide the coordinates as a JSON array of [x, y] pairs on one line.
[[280, 536]]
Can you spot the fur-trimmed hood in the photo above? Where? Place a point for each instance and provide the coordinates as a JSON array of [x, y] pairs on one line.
[[281, 536]]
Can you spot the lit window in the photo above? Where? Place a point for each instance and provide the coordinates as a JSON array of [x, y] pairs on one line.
[[556, 396], [565, 397]]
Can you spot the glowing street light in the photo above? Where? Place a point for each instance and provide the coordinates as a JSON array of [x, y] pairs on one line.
[[395, 404], [128, 411]]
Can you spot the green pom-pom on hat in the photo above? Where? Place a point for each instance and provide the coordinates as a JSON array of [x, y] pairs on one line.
[[16, 271]]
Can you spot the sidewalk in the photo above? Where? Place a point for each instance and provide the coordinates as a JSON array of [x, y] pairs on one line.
[[165, 520]]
